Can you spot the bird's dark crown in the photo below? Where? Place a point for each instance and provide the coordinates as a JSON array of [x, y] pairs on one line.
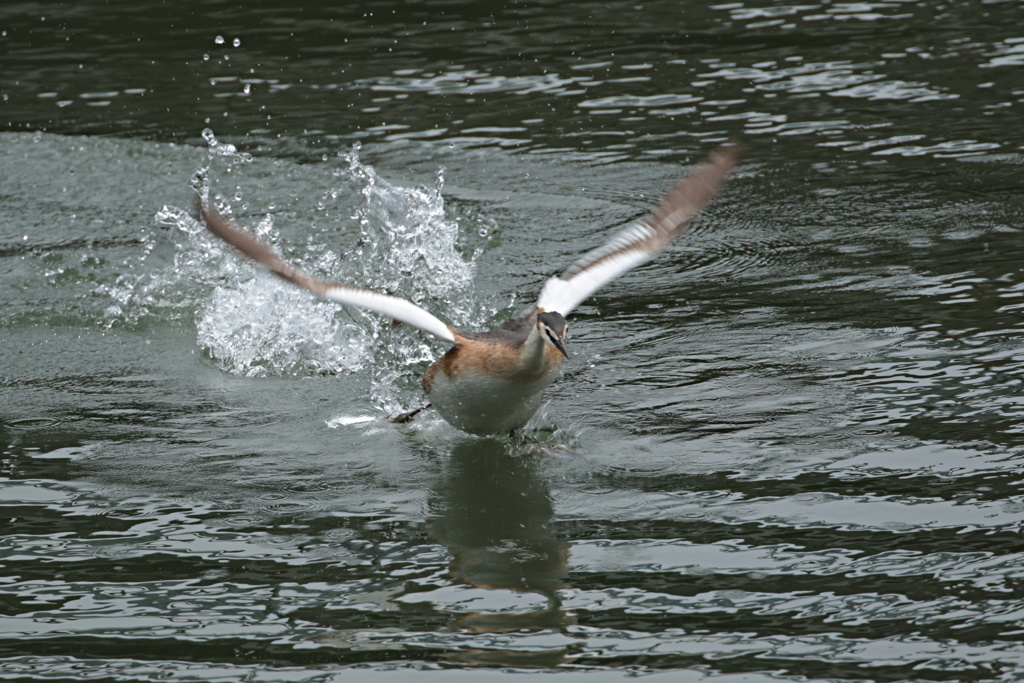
[[554, 322]]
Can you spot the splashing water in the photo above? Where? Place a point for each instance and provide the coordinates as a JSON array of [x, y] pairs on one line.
[[365, 231], [261, 327], [145, 289], [253, 324]]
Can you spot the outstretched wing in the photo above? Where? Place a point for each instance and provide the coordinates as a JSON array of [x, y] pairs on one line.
[[393, 307], [642, 239]]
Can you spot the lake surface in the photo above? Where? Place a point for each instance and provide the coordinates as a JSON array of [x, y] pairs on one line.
[[789, 449]]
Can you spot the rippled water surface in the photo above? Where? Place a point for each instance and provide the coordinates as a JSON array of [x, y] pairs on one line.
[[788, 449]]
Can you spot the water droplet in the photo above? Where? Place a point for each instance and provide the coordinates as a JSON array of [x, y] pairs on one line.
[[219, 40], [237, 42]]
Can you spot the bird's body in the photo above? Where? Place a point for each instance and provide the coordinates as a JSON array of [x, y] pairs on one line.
[[493, 382]]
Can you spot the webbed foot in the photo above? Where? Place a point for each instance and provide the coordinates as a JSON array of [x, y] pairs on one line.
[[402, 418]]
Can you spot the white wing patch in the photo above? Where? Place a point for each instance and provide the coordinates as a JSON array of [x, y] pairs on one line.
[[634, 236], [393, 307], [564, 294]]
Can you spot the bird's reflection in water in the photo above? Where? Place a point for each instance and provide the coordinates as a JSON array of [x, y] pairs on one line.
[[494, 514]]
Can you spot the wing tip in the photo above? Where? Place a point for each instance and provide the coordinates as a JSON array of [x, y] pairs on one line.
[[727, 156]]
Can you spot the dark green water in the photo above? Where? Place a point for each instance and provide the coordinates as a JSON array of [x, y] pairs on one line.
[[788, 449]]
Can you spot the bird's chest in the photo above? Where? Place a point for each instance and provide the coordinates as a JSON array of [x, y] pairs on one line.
[[485, 404]]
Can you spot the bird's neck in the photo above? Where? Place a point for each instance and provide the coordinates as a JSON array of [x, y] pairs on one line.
[[535, 360]]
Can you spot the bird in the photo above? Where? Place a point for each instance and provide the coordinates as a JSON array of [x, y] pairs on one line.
[[493, 382]]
